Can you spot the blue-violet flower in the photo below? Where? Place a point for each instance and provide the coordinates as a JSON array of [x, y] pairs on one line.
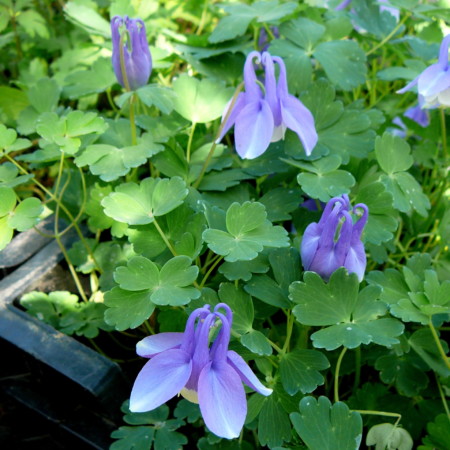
[[184, 363], [335, 241], [136, 54], [433, 84], [259, 118]]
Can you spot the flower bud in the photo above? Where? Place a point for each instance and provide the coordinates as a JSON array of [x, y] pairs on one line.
[[335, 241], [136, 59]]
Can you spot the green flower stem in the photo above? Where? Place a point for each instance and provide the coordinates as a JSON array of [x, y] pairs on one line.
[[336, 374], [389, 36], [357, 368], [74, 221], [128, 88], [441, 393], [56, 229], [380, 413], [289, 328], [444, 134], [213, 266], [439, 345], [111, 101], [132, 121], [164, 237], [189, 144], [213, 146]]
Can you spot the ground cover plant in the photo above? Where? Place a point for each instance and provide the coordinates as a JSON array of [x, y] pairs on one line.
[[261, 195]]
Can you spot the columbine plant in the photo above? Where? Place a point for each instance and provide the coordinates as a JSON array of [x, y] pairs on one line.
[[261, 118], [177, 210], [184, 363], [335, 241], [433, 84]]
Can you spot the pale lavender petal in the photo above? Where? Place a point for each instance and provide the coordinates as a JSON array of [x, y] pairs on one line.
[[443, 51], [299, 119], [237, 108], [160, 379], [247, 376], [270, 85], [342, 5], [344, 241], [356, 260], [409, 86], [252, 89], [253, 129], [433, 80], [310, 242], [417, 114], [222, 399], [152, 345], [444, 98]]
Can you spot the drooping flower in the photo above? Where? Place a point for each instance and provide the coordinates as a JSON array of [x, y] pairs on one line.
[[137, 59], [335, 241], [415, 113], [259, 118], [186, 364], [433, 84], [263, 39]]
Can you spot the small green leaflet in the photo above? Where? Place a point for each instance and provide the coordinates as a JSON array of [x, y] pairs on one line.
[[323, 426], [21, 217], [404, 372], [350, 317], [200, 101], [394, 157], [417, 295], [110, 162], [139, 204], [98, 78], [324, 179], [142, 286], [241, 15], [343, 61], [386, 435], [299, 370], [7, 137], [438, 434], [248, 232], [151, 429], [382, 216], [342, 131], [66, 131], [63, 311]]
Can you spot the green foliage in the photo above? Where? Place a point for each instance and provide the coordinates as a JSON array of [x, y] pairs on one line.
[[248, 232], [142, 286], [200, 101], [351, 318], [151, 429], [393, 155], [140, 204], [65, 131], [323, 426], [63, 311], [241, 15]]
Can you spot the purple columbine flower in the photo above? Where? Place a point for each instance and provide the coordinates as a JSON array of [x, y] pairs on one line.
[[415, 113], [136, 54], [184, 363], [433, 84], [263, 39], [260, 118], [335, 241]]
